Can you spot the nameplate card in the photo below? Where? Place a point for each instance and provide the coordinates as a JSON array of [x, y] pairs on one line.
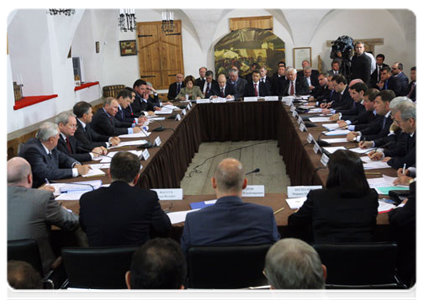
[[294, 114], [292, 108], [169, 194], [301, 190], [253, 191], [288, 100], [250, 99], [310, 138], [184, 112], [157, 141], [145, 154], [203, 101], [178, 117], [271, 98], [303, 127], [219, 100], [299, 120], [324, 160], [189, 106], [316, 148]]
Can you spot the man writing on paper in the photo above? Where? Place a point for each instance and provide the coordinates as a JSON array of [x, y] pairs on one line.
[[123, 114], [223, 90], [230, 221]]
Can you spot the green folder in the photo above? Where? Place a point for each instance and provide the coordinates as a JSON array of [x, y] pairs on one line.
[[387, 189]]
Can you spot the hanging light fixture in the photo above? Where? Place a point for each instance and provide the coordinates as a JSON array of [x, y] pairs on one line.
[[61, 11], [167, 21], [127, 20]]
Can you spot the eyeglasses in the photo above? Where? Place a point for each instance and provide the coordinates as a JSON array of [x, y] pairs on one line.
[[73, 126]]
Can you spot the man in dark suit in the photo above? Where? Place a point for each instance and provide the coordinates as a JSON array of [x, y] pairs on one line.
[[356, 92], [238, 83], [175, 87], [401, 78], [31, 212], [208, 85], [322, 91], [296, 85], [68, 144], [250, 223], [411, 91], [256, 88], [200, 80], [312, 79], [375, 77], [122, 214], [342, 98], [389, 82], [361, 64], [84, 133], [123, 114], [279, 80], [223, 90], [306, 64], [46, 161], [335, 69], [266, 80], [105, 123], [142, 100]]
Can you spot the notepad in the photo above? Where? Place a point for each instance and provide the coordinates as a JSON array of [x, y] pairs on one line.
[[337, 132], [179, 216], [319, 119]]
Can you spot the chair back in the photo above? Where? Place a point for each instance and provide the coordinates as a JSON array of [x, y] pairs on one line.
[[369, 264], [25, 250]]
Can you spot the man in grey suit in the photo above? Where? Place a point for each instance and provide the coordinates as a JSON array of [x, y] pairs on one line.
[[238, 83], [31, 212], [46, 161]]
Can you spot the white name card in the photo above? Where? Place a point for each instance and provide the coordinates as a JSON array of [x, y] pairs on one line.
[[316, 148], [178, 117], [219, 100], [303, 127], [250, 99], [157, 141], [324, 160], [271, 98], [292, 108], [310, 138], [145, 154], [253, 191], [203, 101], [301, 190], [184, 112], [300, 120], [169, 194], [189, 106], [288, 100]]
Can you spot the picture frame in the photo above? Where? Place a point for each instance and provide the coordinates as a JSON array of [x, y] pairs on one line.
[[300, 54], [128, 47]]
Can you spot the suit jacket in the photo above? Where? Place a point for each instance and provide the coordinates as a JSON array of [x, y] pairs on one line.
[[107, 125], [268, 82], [411, 91], [350, 114], [314, 75], [278, 84], [228, 90], [403, 83], [30, 214], [375, 77], [200, 81], [360, 68], [239, 87], [342, 101], [393, 84], [79, 152], [88, 137], [262, 89], [121, 215], [213, 85], [139, 105], [379, 130], [123, 115], [58, 166], [332, 73], [337, 218], [301, 87], [194, 93], [172, 93], [230, 222], [404, 152]]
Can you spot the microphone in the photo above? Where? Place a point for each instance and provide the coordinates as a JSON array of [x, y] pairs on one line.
[[158, 129], [254, 171], [148, 144]]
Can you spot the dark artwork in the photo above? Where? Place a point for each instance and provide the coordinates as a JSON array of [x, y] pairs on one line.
[[241, 48]]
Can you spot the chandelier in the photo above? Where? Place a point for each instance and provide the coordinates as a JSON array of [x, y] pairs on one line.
[[167, 21], [61, 11], [127, 20]]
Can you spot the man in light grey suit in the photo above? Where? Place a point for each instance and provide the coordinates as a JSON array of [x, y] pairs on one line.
[[31, 212], [239, 83]]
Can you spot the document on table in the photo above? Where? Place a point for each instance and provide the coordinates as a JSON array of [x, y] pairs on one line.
[[337, 132], [130, 143], [381, 181], [335, 141], [362, 151], [169, 106], [94, 172], [296, 203], [71, 196], [108, 158], [135, 135], [332, 150], [385, 207], [331, 126], [376, 165], [99, 166], [179, 216], [79, 186], [315, 110], [319, 119], [164, 111]]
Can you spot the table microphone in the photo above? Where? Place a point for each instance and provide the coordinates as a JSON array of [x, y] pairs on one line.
[[254, 171], [159, 128]]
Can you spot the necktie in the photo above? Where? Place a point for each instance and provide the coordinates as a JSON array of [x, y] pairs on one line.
[[121, 113], [208, 89], [130, 108], [222, 93], [255, 89], [68, 146], [291, 93], [178, 88]]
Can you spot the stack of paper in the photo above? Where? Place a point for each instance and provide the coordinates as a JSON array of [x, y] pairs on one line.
[[331, 126], [130, 143], [296, 203], [335, 141], [179, 216], [135, 135], [362, 151], [332, 150], [385, 207], [385, 190], [164, 111], [94, 172], [337, 132], [381, 181], [319, 119]]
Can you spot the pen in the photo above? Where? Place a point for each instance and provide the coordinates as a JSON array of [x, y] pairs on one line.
[[48, 182], [279, 210], [403, 169]]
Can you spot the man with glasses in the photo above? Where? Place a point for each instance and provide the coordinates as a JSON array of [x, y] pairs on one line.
[[68, 144], [175, 88]]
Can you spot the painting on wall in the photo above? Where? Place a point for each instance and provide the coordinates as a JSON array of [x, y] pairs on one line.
[[128, 47], [241, 48]]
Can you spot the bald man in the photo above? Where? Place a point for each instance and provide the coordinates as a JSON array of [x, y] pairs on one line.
[[31, 212], [223, 90], [230, 221]]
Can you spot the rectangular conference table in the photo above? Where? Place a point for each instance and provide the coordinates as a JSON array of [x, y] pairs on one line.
[[233, 121]]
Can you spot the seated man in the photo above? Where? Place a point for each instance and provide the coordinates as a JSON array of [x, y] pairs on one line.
[[124, 115], [141, 103], [105, 123], [279, 80], [296, 85], [294, 264], [175, 88], [312, 81], [31, 212], [69, 145], [208, 85], [122, 214], [152, 96], [158, 264], [322, 91], [238, 83], [389, 82], [342, 98], [249, 223], [357, 94], [84, 133], [256, 88], [223, 90], [266, 80], [46, 161]]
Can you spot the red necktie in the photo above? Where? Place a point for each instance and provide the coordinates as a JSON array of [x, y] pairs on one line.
[[208, 89], [291, 93], [255, 89], [222, 93], [68, 145]]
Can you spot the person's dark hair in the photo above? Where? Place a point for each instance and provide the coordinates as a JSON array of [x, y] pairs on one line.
[[339, 78], [256, 71], [346, 173], [129, 89], [387, 68], [81, 108], [158, 264], [381, 56], [209, 73], [125, 166], [22, 275], [416, 68], [281, 63], [139, 82], [124, 94], [371, 94], [189, 78], [334, 62], [359, 86], [386, 95]]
